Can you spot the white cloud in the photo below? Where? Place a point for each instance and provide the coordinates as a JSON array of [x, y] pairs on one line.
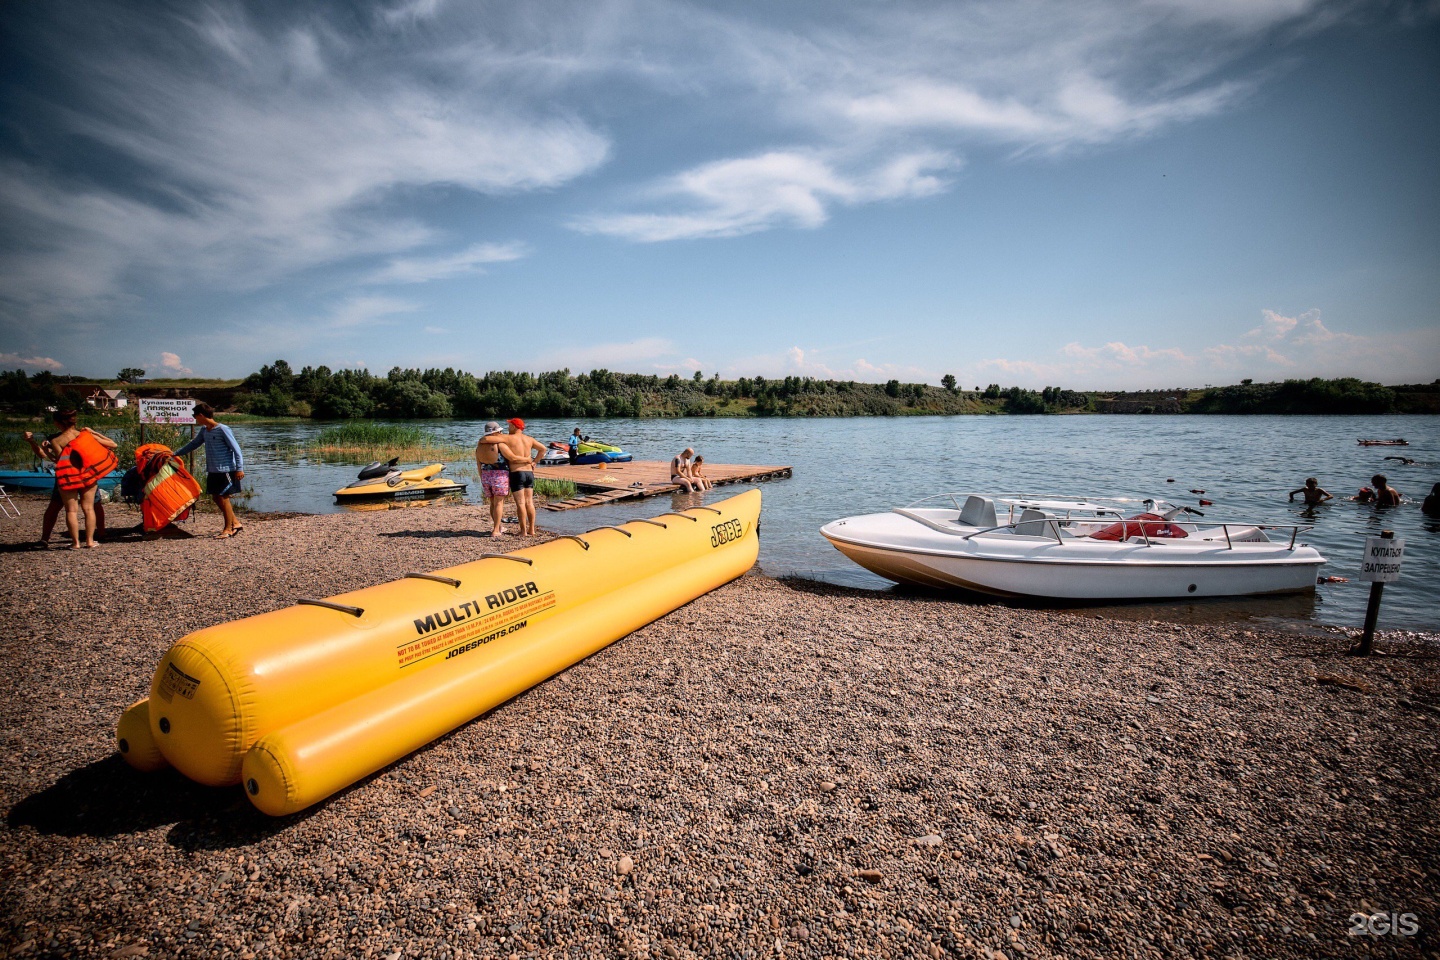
[[806, 362], [471, 260], [1280, 347], [364, 311], [264, 149], [1238, 14], [11, 361], [412, 11], [729, 198], [623, 356], [170, 363]]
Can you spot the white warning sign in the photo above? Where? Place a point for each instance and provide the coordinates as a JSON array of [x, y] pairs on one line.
[[1381, 563]]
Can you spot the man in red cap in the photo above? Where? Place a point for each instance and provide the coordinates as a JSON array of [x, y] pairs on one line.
[[520, 452]]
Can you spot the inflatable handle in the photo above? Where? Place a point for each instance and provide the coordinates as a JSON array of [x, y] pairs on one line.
[[342, 607], [448, 581], [610, 527], [507, 556]]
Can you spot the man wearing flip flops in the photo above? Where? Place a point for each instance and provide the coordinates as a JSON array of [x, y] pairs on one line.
[[224, 464]]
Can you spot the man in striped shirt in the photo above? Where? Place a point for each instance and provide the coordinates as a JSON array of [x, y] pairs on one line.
[[224, 464]]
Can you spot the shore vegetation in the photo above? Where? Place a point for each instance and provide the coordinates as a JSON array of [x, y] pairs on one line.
[[361, 441], [277, 391]]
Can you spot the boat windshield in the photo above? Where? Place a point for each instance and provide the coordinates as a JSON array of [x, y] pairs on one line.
[[1150, 520]]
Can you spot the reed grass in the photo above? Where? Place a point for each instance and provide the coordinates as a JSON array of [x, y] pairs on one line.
[[554, 489], [14, 451], [361, 441]]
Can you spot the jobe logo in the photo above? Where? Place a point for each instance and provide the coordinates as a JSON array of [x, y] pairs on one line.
[[725, 532]]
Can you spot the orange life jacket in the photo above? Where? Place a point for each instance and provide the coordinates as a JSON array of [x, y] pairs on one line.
[[170, 490], [84, 462]]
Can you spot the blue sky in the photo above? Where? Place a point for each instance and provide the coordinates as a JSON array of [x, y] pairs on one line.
[[1152, 193]]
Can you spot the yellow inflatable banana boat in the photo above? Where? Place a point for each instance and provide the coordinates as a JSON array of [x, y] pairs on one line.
[[302, 702]]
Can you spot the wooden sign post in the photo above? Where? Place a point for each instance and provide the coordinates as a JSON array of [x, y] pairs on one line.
[[1380, 565]]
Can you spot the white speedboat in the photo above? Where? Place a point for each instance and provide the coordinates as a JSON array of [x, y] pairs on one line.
[[1075, 549]]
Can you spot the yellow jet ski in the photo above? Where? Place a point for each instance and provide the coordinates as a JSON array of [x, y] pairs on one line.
[[422, 483]]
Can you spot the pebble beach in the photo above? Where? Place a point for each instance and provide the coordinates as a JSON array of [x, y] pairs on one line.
[[778, 769]]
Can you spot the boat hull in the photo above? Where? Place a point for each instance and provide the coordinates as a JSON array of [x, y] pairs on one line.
[[1118, 571], [422, 483], [45, 482], [426, 490]]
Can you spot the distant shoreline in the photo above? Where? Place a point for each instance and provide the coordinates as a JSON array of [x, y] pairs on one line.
[[319, 393]]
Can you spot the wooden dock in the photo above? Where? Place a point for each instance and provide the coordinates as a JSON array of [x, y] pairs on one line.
[[641, 478]]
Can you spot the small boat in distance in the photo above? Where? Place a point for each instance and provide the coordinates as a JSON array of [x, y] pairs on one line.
[[591, 451], [1097, 549], [1384, 443], [384, 481]]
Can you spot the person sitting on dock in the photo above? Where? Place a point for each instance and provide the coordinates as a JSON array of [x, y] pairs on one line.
[[1314, 493], [1385, 495], [697, 473], [494, 475], [680, 470]]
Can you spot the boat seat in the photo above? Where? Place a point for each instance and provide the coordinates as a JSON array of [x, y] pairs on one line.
[[1037, 523], [978, 512]]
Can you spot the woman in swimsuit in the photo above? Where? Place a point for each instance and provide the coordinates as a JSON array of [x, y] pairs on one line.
[[73, 501], [680, 470]]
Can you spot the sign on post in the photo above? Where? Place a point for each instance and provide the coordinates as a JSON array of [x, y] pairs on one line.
[[1381, 563], [167, 411]]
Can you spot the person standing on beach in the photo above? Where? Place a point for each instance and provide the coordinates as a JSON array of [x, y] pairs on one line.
[[48, 452], [224, 465], [1314, 494], [83, 457], [520, 451], [1385, 495], [494, 475]]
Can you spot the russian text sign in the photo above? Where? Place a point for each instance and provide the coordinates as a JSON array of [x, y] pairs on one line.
[[1381, 563], [167, 411]]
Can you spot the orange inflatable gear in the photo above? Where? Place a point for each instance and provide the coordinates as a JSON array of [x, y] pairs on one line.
[[84, 462], [170, 490]]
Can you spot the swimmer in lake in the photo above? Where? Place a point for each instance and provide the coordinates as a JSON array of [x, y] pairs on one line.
[[1385, 495], [1431, 506], [1314, 494], [1407, 461]]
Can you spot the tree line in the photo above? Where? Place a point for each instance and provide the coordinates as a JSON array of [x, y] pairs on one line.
[[277, 390]]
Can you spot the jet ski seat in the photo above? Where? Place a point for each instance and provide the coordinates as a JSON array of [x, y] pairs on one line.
[[978, 512]]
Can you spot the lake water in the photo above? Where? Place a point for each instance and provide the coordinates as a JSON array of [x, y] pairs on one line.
[[1246, 465]]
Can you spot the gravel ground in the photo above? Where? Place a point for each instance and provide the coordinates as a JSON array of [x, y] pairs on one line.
[[778, 769]]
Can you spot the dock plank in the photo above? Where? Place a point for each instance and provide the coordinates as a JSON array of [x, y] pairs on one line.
[[607, 483]]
